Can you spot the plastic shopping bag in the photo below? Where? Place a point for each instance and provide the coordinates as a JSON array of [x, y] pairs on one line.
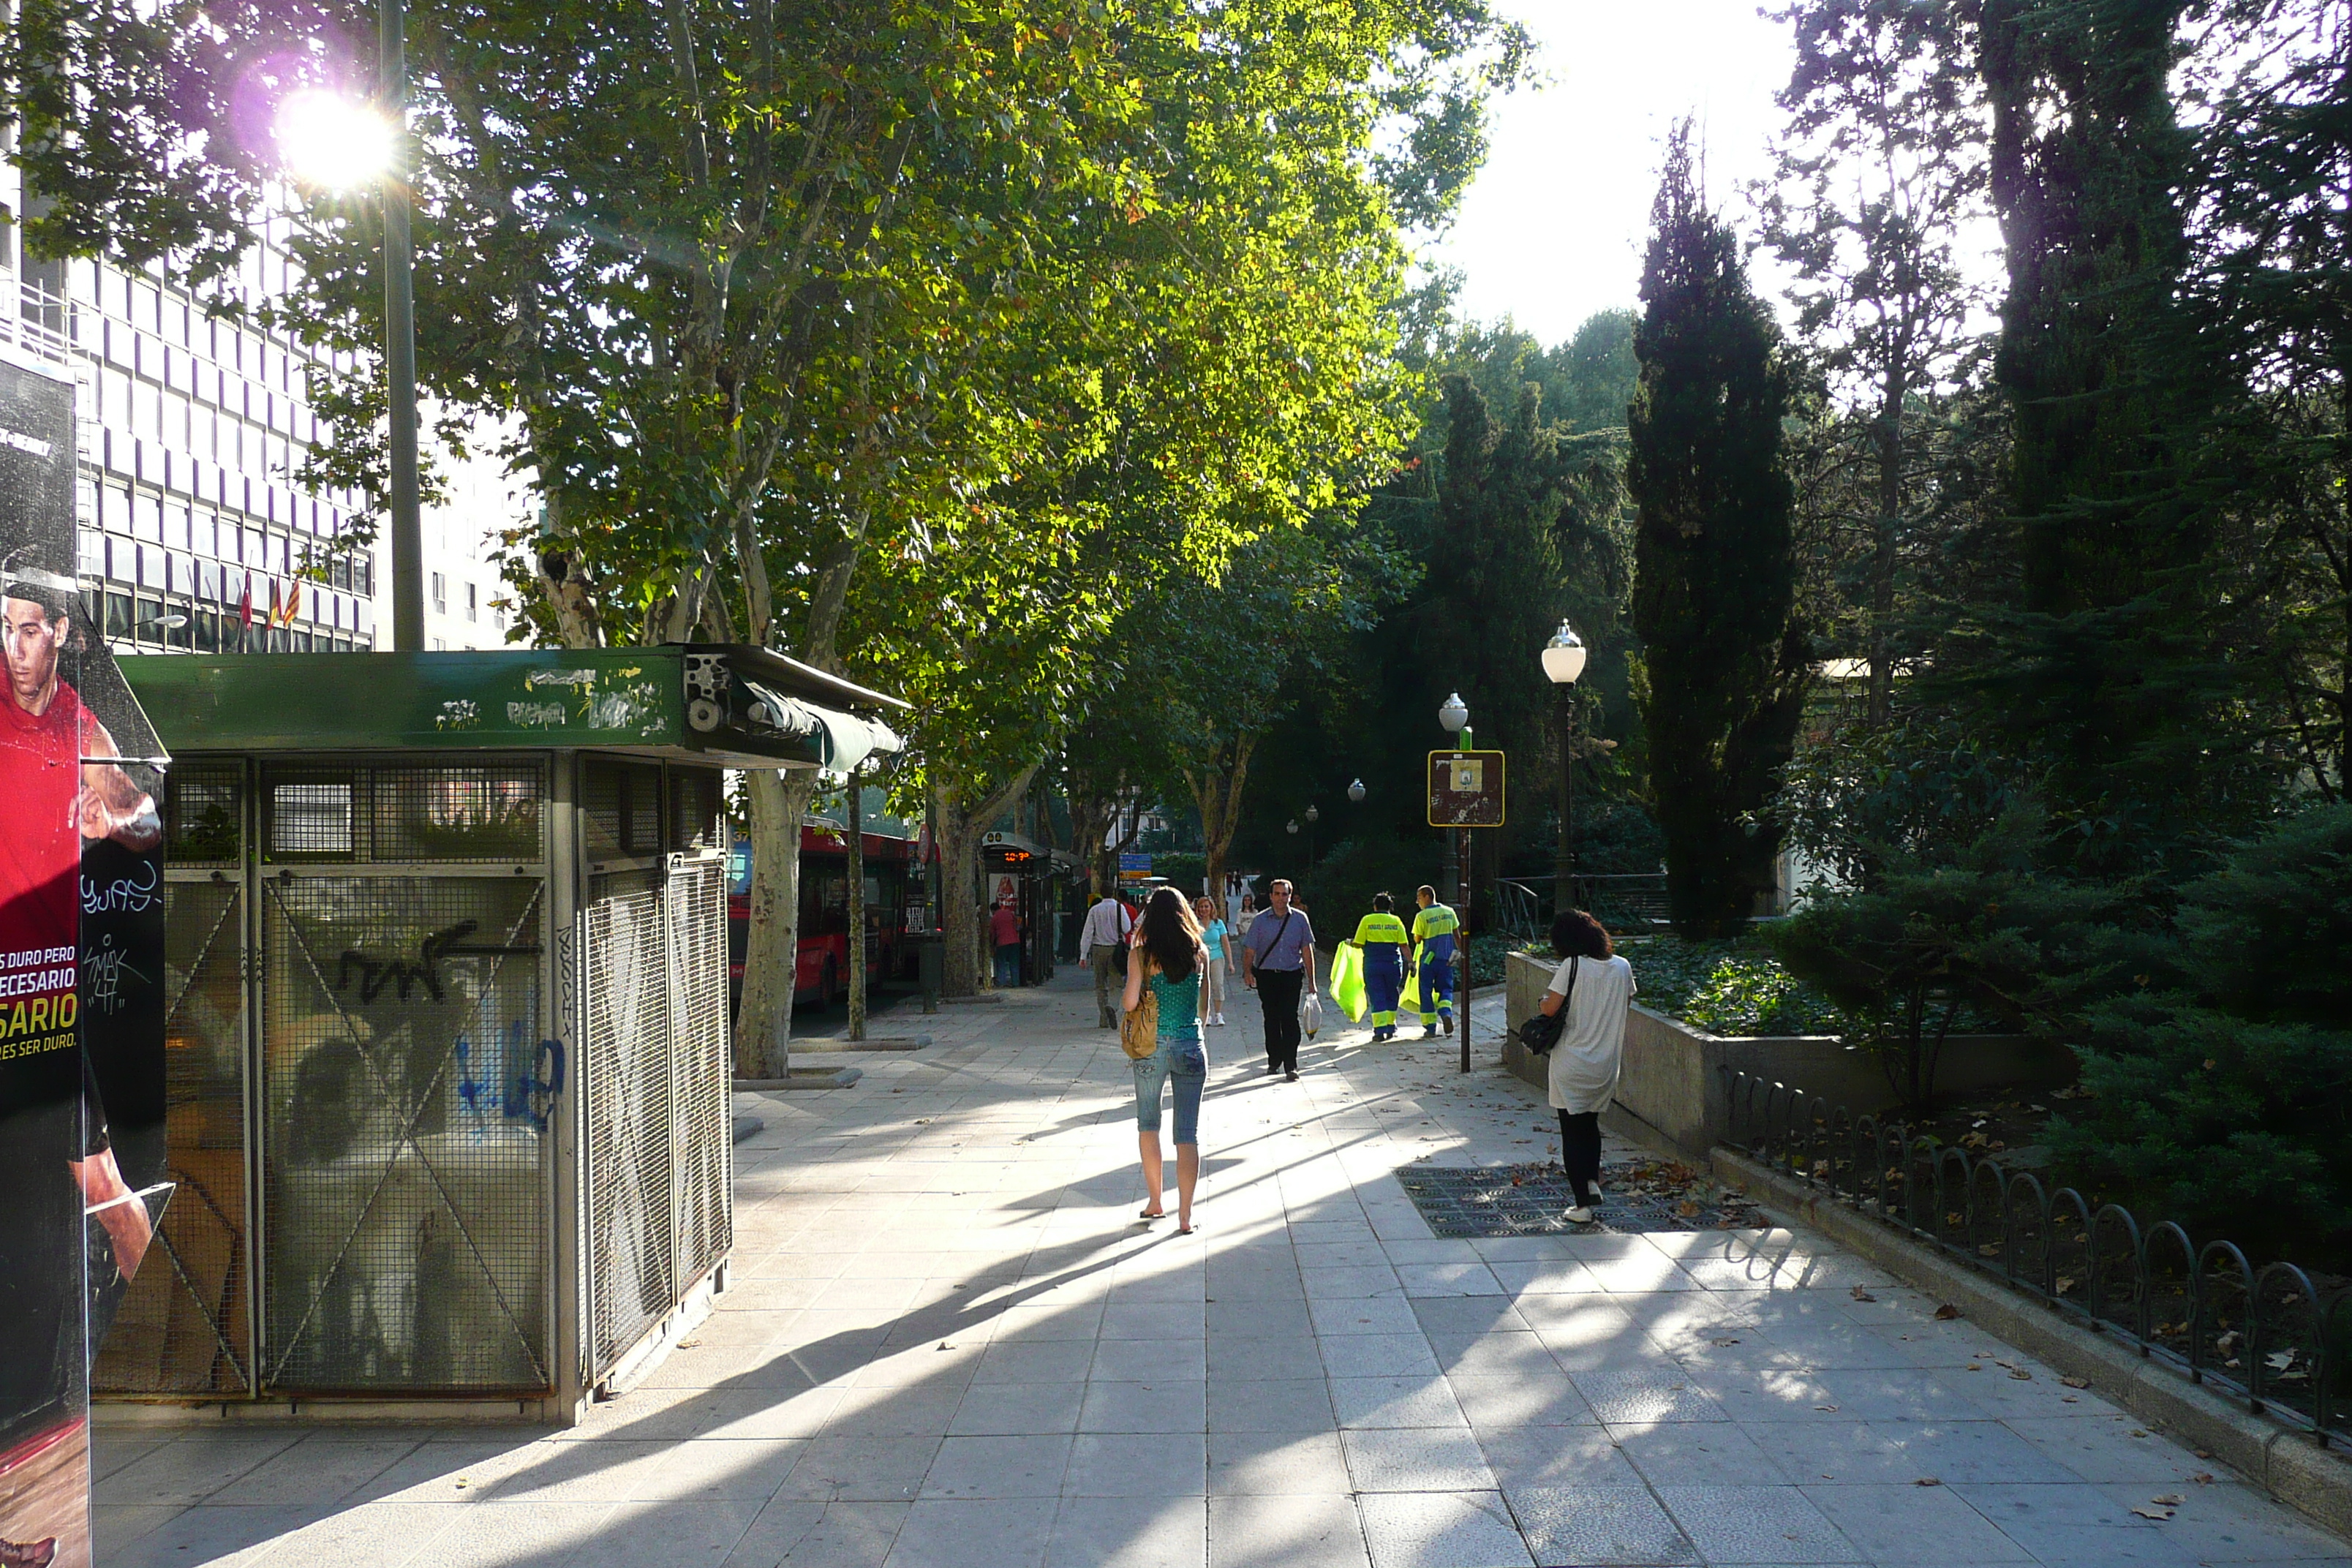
[[1410, 1000], [1310, 1014], [1347, 980]]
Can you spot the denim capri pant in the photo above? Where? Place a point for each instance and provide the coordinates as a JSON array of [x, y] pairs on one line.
[[1183, 1060]]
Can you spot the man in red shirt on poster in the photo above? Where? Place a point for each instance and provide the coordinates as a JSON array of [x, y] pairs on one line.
[[53, 773]]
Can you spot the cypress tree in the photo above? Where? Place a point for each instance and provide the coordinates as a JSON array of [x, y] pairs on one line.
[[2102, 669], [1714, 569]]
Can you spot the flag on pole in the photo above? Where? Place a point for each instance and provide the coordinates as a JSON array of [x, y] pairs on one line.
[[244, 614], [293, 603]]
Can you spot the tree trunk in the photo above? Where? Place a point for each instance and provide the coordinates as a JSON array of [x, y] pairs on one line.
[[1091, 823], [763, 1022], [1217, 791], [1887, 440], [857, 848], [960, 833]]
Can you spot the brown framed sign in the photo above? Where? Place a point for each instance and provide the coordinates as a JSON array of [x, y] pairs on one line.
[[1466, 789]]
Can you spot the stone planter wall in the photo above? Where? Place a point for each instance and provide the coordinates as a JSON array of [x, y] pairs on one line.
[[1671, 1092]]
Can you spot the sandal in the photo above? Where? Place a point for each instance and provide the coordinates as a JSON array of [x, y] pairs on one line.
[[1152, 1214], [1186, 1229]]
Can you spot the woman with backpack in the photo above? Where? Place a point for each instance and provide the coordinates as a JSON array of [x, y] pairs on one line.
[[1165, 962], [1588, 994]]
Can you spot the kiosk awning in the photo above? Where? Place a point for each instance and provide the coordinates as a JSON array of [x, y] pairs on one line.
[[737, 706]]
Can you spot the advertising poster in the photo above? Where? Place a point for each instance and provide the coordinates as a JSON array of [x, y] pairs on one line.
[[76, 1224]]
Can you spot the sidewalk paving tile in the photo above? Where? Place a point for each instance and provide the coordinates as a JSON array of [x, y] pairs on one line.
[[1600, 1526]]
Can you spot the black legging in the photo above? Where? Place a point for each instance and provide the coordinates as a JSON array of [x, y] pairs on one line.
[[1580, 1151]]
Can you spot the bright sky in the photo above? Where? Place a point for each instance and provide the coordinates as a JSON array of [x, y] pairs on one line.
[[1554, 227]]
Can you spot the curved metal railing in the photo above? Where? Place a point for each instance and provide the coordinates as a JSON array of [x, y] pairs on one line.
[[2267, 1336]]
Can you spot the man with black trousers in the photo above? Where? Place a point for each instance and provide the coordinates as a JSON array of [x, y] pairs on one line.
[[1277, 962]]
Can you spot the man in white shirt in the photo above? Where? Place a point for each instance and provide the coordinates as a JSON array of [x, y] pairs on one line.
[[1100, 941]]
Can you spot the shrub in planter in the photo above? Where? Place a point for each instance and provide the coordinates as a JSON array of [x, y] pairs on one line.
[[1930, 949]]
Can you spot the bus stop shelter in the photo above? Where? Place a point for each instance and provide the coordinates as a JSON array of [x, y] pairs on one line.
[[447, 1034]]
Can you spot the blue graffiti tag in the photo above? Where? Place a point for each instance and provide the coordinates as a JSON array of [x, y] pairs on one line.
[[529, 1095]]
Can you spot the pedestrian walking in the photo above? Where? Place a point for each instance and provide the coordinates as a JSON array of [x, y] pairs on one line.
[[1217, 974], [1594, 986], [1236, 901], [1435, 939], [1278, 962], [1382, 938], [1005, 927], [1099, 942], [1167, 954]]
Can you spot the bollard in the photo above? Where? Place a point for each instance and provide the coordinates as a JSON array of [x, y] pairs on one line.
[[932, 961]]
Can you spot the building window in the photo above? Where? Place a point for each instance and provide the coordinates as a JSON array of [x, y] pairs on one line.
[[440, 645], [440, 596], [363, 577], [118, 614], [473, 603]]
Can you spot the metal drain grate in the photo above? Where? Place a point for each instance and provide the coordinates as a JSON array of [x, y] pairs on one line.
[[1528, 1200]]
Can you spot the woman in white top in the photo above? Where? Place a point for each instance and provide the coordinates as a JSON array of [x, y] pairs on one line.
[[1596, 987]]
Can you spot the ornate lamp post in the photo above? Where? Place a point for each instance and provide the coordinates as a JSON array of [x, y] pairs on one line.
[[1563, 662]]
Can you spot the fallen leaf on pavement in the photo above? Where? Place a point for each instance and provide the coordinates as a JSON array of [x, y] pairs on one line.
[[1861, 1295], [2020, 1373], [1928, 1481], [2076, 1381], [2170, 1499], [1946, 1313], [2203, 1477], [2158, 1514]]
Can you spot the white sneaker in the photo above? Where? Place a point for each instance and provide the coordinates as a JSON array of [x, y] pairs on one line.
[[1579, 1215], [1220, 1020]]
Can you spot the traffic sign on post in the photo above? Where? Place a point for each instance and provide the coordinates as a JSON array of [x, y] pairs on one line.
[[1466, 789]]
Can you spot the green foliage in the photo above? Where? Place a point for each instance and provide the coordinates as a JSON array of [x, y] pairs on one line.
[[1879, 168], [2221, 1080], [1339, 887], [1732, 986], [2105, 666], [1725, 662], [1966, 931]]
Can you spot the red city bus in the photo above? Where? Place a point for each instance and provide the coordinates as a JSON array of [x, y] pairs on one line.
[[892, 878]]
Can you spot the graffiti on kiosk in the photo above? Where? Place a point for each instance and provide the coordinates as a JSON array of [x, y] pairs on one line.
[[375, 973], [536, 715], [524, 1096], [103, 972], [128, 895]]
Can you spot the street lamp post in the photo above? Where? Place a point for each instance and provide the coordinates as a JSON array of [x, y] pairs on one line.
[[1313, 816], [1563, 662], [1356, 793], [1454, 715], [400, 344]]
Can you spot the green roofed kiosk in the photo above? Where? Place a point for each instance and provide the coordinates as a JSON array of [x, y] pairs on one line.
[[448, 1046]]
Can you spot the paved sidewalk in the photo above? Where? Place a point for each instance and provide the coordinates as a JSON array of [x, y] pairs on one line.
[[951, 1343]]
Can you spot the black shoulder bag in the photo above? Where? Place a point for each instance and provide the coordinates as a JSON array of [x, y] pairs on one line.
[[1541, 1031]]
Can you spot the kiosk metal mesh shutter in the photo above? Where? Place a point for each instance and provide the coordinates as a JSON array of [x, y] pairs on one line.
[[696, 896], [406, 1085], [628, 1080], [185, 1325]]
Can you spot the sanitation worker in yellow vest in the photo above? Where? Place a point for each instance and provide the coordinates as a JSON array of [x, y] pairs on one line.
[[1382, 938], [1434, 929]]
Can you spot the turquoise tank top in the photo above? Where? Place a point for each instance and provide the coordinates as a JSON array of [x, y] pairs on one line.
[[1180, 1006]]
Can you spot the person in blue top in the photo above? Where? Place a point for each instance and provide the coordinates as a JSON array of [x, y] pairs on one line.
[[1216, 976], [1434, 930], [1383, 937], [1167, 955]]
